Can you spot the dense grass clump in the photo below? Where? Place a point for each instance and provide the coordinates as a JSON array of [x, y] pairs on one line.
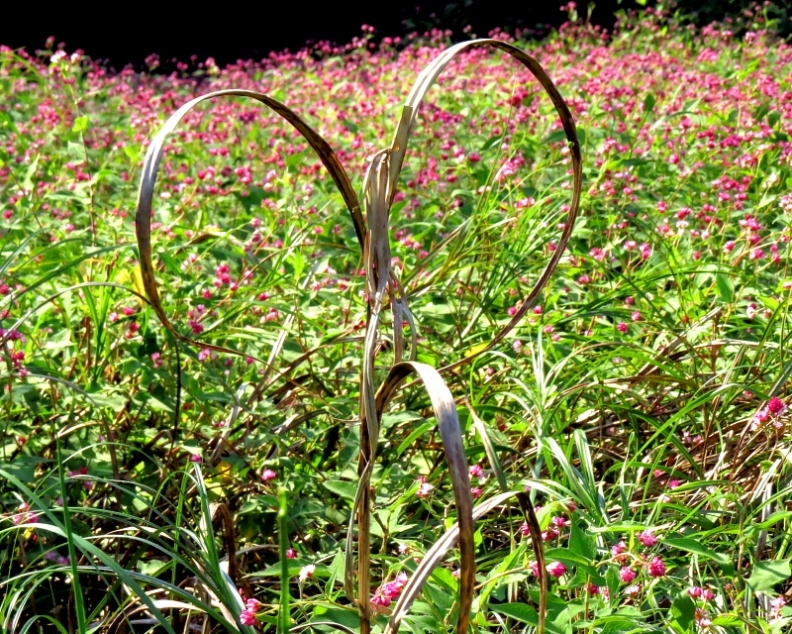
[[152, 485]]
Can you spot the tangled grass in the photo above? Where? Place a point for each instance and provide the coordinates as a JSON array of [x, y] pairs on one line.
[[637, 397]]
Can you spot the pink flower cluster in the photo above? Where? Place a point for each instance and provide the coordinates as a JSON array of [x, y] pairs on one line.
[[24, 515], [390, 591], [248, 615], [631, 564], [425, 488], [770, 414]]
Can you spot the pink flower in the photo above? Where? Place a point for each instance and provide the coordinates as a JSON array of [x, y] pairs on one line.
[[703, 618], [776, 605], [647, 538], [24, 515], [657, 567], [306, 572], [390, 591], [627, 574], [557, 569], [476, 492], [550, 534], [291, 554], [379, 600], [560, 522], [425, 488], [623, 327], [776, 405], [268, 474], [247, 617], [476, 471], [632, 591]]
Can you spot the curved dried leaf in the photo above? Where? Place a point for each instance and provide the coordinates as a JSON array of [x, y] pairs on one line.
[[454, 449], [407, 123], [433, 558], [149, 178]]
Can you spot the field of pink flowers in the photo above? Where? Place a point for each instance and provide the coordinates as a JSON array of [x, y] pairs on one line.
[[148, 485]]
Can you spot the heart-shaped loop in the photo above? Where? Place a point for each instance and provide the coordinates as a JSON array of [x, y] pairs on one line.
[[379, 192]]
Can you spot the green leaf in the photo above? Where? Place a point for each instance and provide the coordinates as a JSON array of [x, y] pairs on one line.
[[774, 519], [348, 618], [727, 619], [567, 556], [30, 172], [581, 544], [414, 435], [80, 124], [350, 125], [342, 488], [613, 581], [692, 546], [767, 574], [683, 611], [725, 287], [519, 611], [649, 103]]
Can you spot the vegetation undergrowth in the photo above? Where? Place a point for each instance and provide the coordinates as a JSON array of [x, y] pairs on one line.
[[151, 485]]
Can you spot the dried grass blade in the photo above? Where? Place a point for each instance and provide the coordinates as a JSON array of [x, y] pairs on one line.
[[148, 181], [378, 267], [454, 449], [407, 123]]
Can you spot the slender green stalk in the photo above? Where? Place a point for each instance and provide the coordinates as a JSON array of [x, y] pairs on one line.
[[284, 618], [79, 605]]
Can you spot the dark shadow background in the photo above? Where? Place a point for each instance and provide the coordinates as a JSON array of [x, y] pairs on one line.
[[128, 31], [251, 31]]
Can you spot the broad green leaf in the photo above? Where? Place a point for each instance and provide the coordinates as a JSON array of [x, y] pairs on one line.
[[342, 488], [768, 574], [692, 546]]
